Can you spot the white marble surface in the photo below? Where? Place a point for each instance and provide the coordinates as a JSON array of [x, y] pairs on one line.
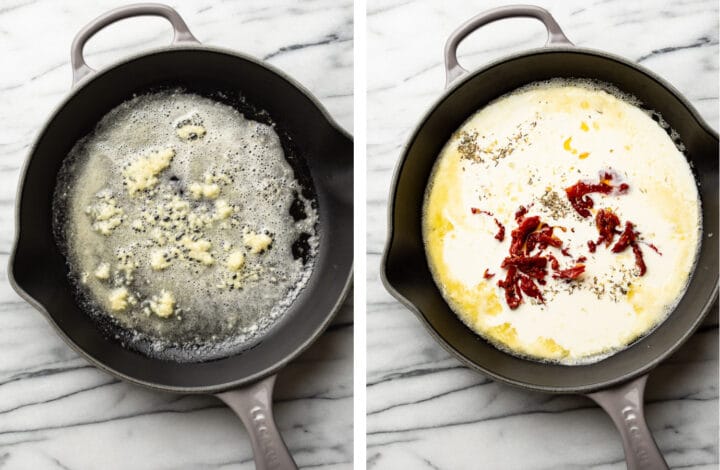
[[425, 410], [56, 411]]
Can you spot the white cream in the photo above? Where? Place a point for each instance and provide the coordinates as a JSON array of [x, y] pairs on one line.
[[536, 141]]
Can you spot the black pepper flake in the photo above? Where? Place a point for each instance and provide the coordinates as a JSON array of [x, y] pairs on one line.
[[556, 205], [468, 146]]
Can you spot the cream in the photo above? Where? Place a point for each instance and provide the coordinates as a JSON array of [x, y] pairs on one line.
[[524, 149]]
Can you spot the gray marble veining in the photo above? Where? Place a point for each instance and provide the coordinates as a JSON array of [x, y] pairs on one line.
[[426, 410], [56, 411]]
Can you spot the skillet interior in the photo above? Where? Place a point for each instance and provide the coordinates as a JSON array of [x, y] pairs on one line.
[[318, 152], [405, 270]]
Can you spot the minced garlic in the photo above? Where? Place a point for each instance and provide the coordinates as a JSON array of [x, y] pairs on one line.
[[106, 214], [118, 299], [190, 132], [159, 260], [137, 225], [142, 173], [223, 210], [175, 209], [198, 250], [103, 271], [235, 260], [204, 190], [199, 221], [257, 242], [163, 305]]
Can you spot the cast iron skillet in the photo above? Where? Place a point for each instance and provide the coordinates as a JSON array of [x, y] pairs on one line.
[[616, 383], [38, 271]]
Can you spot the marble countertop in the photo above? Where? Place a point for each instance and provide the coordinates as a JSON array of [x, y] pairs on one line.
[[58, 412], [425, 410]]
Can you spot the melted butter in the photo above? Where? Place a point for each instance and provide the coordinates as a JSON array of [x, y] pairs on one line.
[[153, 207]]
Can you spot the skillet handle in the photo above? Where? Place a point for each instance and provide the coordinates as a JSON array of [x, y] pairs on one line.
[[453, 69], [624, 404], [181, 33], [253, 404]]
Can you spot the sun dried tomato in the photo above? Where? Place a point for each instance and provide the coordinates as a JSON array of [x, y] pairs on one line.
[[570, 273], [530, 289], [520, 214], [525, 271], [554, 263], [579, 199], [629, 238], [520, 234], [606, 222], [533, 266], [500, 235], [654, 248], [578, 193], [639, 261], [513, 297], [487, 274], [476, 210], [542, 239]]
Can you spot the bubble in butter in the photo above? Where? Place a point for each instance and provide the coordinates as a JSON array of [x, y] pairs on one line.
[[525, 148]]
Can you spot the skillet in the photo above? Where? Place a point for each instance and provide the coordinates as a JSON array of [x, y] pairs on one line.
[[317, 148], [617, 383]]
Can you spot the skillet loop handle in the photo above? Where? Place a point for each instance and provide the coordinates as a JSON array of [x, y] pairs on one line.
[[253, 404], [624, 404], [181, 33], [453, 69]]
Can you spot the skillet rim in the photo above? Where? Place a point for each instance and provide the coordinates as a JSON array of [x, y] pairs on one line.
[[400, 165], [76, 89]]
